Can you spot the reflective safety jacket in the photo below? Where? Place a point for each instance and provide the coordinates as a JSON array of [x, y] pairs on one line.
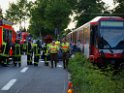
[[36, 50], [17, 50], [24, 46], [47, 48], [5, 49], [53, 49], [29, 48], [65, 47], [57, 43]]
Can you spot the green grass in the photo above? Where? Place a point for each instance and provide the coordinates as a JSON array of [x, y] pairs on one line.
[[89, 79]]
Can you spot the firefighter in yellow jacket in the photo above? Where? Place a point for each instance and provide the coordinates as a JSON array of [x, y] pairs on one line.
[[46, 53], [53, 50], [65, 52], [29, 53], [17, 54], [36, 51]]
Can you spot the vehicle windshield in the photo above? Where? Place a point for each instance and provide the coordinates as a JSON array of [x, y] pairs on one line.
[[111, 38], [7, 35]]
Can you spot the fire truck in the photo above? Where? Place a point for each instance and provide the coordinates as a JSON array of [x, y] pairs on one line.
[[7, 40]]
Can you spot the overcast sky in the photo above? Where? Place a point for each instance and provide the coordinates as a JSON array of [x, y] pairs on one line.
[[4, 4]]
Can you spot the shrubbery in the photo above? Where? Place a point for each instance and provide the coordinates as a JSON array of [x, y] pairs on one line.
[[89, 79]]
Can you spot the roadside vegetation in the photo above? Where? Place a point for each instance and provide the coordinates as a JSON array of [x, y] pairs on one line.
[[87, 78]]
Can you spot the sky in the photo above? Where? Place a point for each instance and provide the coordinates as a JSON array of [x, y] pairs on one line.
[[4, 4]]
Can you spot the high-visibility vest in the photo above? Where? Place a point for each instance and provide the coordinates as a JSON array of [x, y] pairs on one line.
[[47, 48], [53, 49], [48, 45], [57, 43], [65, 47], [24, 46], [17, 50], [36, 50], [29, 48], [4, 47]]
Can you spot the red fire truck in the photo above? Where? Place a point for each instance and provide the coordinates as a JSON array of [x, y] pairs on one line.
[[7, 40]]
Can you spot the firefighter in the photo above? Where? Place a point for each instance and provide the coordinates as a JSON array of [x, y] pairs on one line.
[[53, 50], [17, 54], [24, 47], [46, 54], [36, 51], [57, 43], [29, 53], [48, 40], [65, 53], [5, 55]]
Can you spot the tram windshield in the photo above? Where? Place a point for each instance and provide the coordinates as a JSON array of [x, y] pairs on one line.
[[111, 38]]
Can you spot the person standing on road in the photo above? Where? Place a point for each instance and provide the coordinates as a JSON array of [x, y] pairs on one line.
[[65, 53], [36, 51], [46, 53], [17, 54], [53, 50], [57, 43], [24, 47], [29, 53]]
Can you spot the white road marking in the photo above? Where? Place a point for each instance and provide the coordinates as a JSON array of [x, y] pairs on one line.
[[42, 61], [24, 70], [9, 84], [59, 65]]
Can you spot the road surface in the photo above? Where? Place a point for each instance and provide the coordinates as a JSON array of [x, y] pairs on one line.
[[32, 79]]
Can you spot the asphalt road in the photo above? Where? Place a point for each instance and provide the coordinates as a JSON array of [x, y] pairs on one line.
[[31, 79]]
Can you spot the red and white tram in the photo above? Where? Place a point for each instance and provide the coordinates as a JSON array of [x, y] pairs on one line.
[[101, 39]]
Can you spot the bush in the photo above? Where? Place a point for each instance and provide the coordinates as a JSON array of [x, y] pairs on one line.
[[89, 79]]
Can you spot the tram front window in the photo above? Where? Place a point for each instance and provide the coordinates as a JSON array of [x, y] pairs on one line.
[[111, 38]]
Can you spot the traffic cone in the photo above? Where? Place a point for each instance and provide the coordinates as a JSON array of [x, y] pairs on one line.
[[70, 87], [70, 91]]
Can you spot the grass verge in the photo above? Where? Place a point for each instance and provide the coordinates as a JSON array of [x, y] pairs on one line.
[[89, 79]]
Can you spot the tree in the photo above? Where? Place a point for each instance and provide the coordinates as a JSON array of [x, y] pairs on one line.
[[49, 15], [18, 12], [119, 10], [88, 9], [12, 13]]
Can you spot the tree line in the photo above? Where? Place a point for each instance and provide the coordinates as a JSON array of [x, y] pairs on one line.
[[52, 16]]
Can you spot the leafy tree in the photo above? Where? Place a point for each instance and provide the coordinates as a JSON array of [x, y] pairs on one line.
[[12, 13], [119, 9], [18, 12], [49, 15], [88, 9]]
